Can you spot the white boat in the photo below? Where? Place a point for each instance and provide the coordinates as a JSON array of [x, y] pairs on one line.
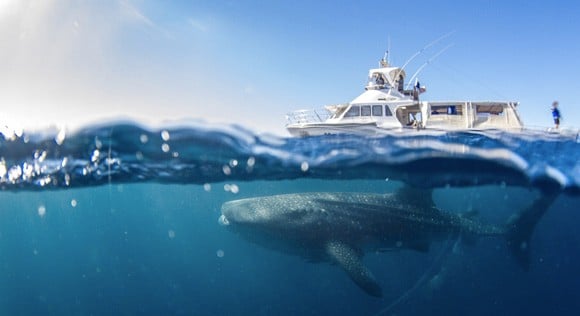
[[386, 106]]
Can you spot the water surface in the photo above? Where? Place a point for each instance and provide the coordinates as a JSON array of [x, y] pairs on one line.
[[121, 218]]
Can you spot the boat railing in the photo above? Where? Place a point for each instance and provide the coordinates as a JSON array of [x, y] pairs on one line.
[[567, 132], [307, 116]]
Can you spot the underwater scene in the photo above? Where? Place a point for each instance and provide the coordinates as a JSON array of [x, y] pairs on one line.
[[198, 219]]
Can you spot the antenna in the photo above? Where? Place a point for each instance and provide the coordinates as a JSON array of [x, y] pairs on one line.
[[385, 61], [388, 48], [428, 62]]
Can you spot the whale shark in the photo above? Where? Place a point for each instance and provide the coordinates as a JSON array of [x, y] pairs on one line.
[[340, 227]]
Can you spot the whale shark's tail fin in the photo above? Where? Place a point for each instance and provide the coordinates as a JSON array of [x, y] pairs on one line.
[[521, 226]]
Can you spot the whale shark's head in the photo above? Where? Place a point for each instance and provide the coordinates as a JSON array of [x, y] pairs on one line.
[[257, 211], [281, 213], [282, 222]]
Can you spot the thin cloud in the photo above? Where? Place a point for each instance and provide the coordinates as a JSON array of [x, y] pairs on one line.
[[134, 13], [198, 25]]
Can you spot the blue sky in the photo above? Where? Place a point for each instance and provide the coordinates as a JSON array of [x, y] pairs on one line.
[[73, 62]]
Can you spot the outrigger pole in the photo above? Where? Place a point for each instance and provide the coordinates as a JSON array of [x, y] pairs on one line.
[[423, 49], [428, 62]]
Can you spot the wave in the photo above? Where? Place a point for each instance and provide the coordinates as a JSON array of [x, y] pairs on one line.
[[198, 153]]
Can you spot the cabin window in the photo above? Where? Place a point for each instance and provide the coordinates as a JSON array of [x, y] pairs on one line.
[[486, 110], [436, 110], [388, 111], [377, 110], [446, 109], [353, 111], [365, 110]]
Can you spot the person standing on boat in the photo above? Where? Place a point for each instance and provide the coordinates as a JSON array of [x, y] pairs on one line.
[[556, 114], [379, 79]]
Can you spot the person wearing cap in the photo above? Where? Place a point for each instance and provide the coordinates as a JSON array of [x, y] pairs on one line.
[[556, 114]]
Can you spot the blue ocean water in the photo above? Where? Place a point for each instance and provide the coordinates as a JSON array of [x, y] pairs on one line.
[[122, 219]]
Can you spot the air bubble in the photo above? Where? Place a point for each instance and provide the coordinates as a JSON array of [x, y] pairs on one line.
[[41, 211], [95, 155], [251, 162], [60, 137], [165, 135], [3, 169]]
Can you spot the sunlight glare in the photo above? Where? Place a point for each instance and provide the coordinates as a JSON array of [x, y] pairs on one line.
[[5, 5]]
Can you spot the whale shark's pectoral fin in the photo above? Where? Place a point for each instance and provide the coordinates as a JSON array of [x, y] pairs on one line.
[[350, 261]]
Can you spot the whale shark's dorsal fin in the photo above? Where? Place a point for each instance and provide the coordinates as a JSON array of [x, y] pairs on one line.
[[349, 259], [422, 198]]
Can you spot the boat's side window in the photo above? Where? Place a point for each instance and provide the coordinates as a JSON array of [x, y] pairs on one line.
[[377, 110], [487, 110], [388, 111], [353, 111], [439, 109], [365, 110]]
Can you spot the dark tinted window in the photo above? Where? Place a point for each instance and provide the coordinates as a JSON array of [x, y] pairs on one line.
[[388, 111], [365, 110], [353, 111], [377, 110]]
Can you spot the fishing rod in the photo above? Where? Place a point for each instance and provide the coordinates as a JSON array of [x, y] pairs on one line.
[[427, 63], [425, 48], [422, 50]]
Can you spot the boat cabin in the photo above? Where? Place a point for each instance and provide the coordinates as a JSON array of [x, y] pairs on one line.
[[471, 115]]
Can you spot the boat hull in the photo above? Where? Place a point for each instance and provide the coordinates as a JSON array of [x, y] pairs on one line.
[[318, 129]]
